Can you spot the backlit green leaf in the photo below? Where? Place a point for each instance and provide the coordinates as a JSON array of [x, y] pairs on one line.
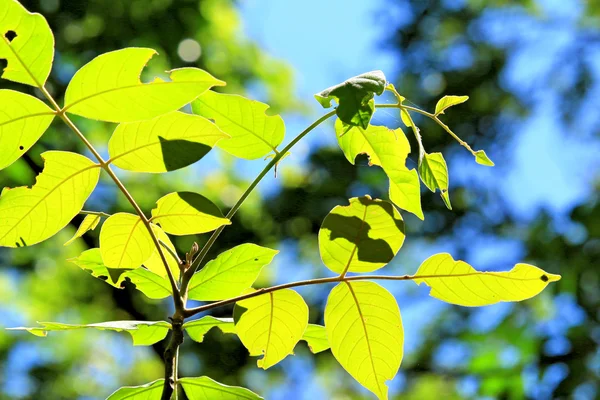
[[143, 333], [162, 144], [271, 324], [365, 332], [108, 88], [204, 388], [31, 215], [483, 159], [388, 149], [232, 272], [155, 263], [30, 53], [187, 213], [361, 237], [198, 328], [316, 338], [125, 242], [23, 120], [354, 97], [457, 282], [434, 174], [89, 223], [149, 391], [447, 102], [253, 133]]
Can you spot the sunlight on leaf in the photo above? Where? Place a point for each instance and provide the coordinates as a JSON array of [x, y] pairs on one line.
[[204, 388], [459, 283], [447, 102], [89, 223], [198, 328], [434, 174], [365, 332], [155, 263], [149, 391], [483, 159], [125, 241], [316, 338]]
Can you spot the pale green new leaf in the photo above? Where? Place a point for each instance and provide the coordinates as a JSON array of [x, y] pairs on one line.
[[316, 338], [152, 285], [483, 159], [253, 133], [30, 53], [232, 272], [23, 120], [125, 242], [155, 262], [204, 388], [271, 324], [361, 237], [434, 174], [149, 391], [365, 332], [89, 223], [447, 102], [459, 283], [388, 149], [143, 333], [187, 213], [198, 328], [108, 88], [166, 143], [31, 215]]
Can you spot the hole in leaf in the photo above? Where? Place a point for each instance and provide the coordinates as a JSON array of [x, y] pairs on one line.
[[10, 35], [21, 147], [545, 278], [256, 259]]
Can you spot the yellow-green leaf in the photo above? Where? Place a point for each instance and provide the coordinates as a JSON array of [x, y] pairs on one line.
[[166, 143], [232, 272], [155, 263], [253, 133], [365, 332], [198, 328], [149, 391], [459, 283], [389, 149], [483, 159], [125, 242], [187, 213], [204, 388], [30, 53], [316, 338], [89, 223], [361, 237], [31, 215], [108, 88], [447, 102], [434, 174], [271, 324], [143, 333], [23, 120]]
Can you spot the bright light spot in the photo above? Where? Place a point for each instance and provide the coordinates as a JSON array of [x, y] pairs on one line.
[[189, 50]]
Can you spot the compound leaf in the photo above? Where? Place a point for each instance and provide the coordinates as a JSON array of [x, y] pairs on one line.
[[155, 262], [232, 272], [187, 213], [434, 174], [483, 159], [253, 133], [108, 88], [389, 149], [125, 242], [31, 215], [166, 143], [31, 51], [271, 324], [316, 338], [89, 223], [447, 102], [361, 237], [365, 332], [22, 122], [354, 97], [457, 282], [198, 328], [149, 391], [204, 388]]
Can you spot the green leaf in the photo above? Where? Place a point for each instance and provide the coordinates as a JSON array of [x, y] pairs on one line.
[[361, 237], [30, 53], [22, 122], [31, 215], [483, 159], [388, 149], [143, 333], [365, 332], [149, 391], [253, 133], [108, 88], [162, 144], [155, 263], [316, 338], [198, 328], [457, 282], [125, 242], [204, 388], [232, 272], [434, 174], [447, 102], [271, 324], [187, 213], [354, 97], [89, 223]]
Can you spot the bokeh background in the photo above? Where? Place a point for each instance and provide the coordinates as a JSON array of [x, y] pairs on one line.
[[532, 71]]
